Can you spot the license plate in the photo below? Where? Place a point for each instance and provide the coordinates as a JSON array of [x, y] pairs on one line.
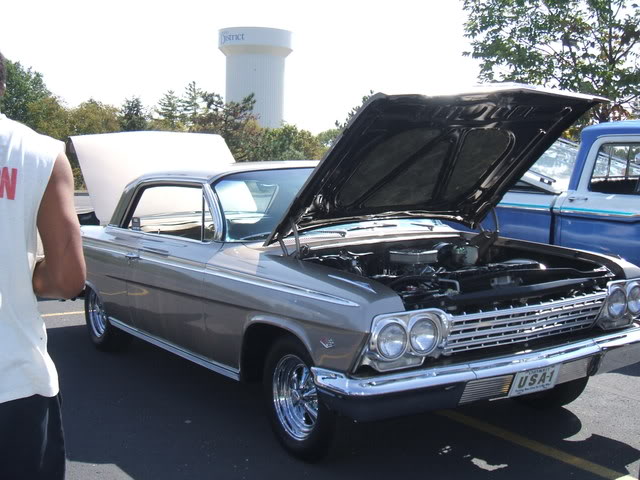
[[534, 380]]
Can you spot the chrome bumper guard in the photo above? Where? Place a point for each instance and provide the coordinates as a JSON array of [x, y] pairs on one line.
[[492, 378]]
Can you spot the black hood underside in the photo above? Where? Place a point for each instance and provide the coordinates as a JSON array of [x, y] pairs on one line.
[[449, 157]]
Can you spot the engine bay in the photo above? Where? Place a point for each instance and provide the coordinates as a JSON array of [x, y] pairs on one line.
[[467, 273]]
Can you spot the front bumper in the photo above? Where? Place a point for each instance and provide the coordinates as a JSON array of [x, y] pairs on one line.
[[415, 391]]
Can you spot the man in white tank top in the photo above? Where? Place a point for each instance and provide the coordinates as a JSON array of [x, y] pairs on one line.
[[36, 189]]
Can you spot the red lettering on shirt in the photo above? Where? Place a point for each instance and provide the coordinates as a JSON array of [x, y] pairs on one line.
[[8, 183]]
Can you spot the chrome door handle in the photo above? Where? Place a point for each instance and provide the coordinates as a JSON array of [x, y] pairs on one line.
[[573, 199], [131, 256]]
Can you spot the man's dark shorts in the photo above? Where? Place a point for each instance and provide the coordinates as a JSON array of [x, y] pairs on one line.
[[31, 439]]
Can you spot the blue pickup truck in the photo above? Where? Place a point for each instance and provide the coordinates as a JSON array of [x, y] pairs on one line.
[[584, 196]]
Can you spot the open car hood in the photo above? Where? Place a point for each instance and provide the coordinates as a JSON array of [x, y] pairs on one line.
[[110, 161], [449, 157]]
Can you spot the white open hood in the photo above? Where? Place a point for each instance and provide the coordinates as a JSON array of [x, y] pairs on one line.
[[110, 161]]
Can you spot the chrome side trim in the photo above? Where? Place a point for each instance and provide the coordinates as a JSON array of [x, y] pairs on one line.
[[598, 213], [525, 206], [616, 350], [168, 263], [278, 286], [227, 371], [94, 246]]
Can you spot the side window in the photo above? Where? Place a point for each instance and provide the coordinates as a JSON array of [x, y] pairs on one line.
[[180, 211], [617, 169]]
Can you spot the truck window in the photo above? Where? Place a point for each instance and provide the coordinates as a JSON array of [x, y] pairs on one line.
[[617, 169]]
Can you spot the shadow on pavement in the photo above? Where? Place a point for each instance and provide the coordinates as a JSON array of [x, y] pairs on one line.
[[156, 416]]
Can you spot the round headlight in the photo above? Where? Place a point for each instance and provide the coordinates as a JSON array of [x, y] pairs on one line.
[[616, 303], [423, 335], [633, 298], [392, 341]]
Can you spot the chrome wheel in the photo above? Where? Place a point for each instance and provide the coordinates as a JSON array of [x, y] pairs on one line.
[[295, 397], [96, 314]]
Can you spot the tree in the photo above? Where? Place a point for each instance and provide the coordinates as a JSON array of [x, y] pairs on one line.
[[24, 86], [93, 117], [327, 137], [588, 46], [191, 104], [168, 110], [234, 121], [132, 116], [49, 117], [287, 143]]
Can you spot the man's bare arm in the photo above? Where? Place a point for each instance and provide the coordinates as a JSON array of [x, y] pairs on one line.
[[62, 273]]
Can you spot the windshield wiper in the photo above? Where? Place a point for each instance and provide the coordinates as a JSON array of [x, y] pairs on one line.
[[426, 225], [371, 227], [342, 233]]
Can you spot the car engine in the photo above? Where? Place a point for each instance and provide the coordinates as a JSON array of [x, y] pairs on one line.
[[462, 275]]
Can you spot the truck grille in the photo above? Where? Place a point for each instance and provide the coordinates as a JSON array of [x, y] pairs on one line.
[[521, 324]]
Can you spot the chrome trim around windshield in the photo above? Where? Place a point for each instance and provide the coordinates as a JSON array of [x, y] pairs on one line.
[[616, 350], [225, 370], [216, 214]]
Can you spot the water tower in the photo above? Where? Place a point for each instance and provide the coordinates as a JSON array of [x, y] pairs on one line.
[[255, 64]]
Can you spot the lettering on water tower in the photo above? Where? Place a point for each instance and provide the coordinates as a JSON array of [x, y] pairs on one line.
[[230, 37]]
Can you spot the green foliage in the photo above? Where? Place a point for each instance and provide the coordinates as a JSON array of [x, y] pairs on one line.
[[93, 117], [354, 110], [327, 137], [287, 143], [234, 121], [588, 46], [191, 104], [132, 116], [49, 117], [168, 111], [197, 110], [24, 86]]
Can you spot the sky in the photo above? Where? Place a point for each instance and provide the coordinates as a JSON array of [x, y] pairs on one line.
[[110, 51]]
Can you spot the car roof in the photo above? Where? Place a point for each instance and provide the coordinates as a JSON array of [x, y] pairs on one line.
[[625, 127], [209, 175]]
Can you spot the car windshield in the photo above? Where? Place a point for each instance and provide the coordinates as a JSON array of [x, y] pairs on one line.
[[254, 202], [557, 163]]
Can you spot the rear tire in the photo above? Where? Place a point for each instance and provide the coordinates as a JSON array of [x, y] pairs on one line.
[[558, 396], [302, 423], [103, 335]]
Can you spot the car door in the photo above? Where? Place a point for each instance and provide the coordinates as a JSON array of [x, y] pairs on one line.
[[109, 258], [603, 213], [525, 215], [174, 226], [525, 211]]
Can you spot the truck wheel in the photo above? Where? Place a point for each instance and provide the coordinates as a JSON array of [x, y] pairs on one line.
[[103, 335], [558, 396], [301, 422]]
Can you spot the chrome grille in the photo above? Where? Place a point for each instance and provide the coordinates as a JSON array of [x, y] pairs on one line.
[[486, 388], [521, 324]]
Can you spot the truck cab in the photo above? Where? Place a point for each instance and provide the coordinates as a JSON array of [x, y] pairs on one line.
[[583, 196]]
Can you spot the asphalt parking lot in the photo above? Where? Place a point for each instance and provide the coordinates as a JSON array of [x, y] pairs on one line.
[[147, 414]]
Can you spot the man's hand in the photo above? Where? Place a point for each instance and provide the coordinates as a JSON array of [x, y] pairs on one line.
[[62, 273]]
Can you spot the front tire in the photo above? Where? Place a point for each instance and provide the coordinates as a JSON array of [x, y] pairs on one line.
[[557, 397], [103, 335], [302, 423]]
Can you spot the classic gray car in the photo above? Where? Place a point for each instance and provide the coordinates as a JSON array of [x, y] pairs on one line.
[[337, 284]]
